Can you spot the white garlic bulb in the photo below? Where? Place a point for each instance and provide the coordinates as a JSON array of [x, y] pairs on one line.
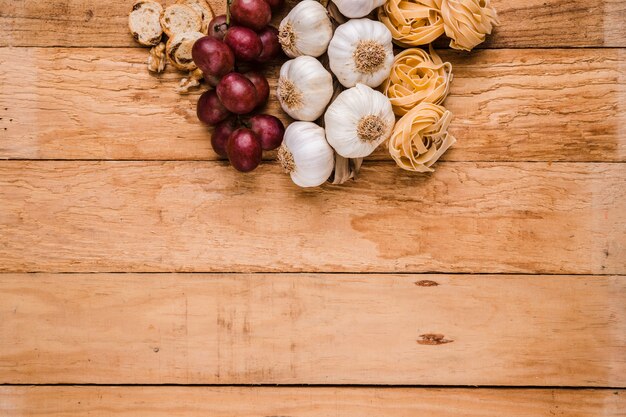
[[304, 88], [361, 52], [306, 30], [357, 8], [358, 121], [306, 155]]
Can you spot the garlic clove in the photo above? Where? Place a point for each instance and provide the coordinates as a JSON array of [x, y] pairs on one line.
[[361, 51], [306, 155], [306, 30], [304, 88], [358, 121]]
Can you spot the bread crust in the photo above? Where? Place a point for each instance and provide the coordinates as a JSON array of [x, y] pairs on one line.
[[144, 22]]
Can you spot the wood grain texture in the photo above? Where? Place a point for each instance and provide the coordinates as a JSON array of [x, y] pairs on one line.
[[306, 402], [206, 217], [509, 105], [313, 329], [533, 23]]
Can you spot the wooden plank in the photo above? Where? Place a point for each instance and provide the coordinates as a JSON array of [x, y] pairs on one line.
[[313, 329], [306, 402], [533, 23], [192, 216], [509, 105]]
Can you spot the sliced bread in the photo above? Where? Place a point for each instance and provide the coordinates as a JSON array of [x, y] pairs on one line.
[[203, 9], [144, 23], [178, 50], [180, 18]]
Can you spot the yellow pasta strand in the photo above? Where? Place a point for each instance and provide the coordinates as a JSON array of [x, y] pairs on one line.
[[420, 137], [467, 22], [417, 77], [412, 22]]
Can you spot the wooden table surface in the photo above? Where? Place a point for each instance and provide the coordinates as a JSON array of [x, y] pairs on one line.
[[140, 276]]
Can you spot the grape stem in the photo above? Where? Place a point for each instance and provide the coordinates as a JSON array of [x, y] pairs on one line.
[[228, 2], [244, 121]]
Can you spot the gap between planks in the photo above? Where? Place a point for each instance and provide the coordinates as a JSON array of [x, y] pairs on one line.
[[324, 386]]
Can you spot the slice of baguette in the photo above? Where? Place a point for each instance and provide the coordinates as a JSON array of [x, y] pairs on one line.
[[203, 9], [144, 23], [178, 50], [180, 18]]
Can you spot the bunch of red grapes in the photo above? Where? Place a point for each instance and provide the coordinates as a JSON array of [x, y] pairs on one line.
[[230, 57]]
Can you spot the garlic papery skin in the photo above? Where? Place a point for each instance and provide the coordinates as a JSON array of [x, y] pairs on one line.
[[358, 121], [357, 8], [306, 30], [361, 52], [304, 88], [306, 155]]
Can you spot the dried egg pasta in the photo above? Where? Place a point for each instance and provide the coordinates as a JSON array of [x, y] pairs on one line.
[[420, 137], [467, 22], [412, 22], [417, 77]]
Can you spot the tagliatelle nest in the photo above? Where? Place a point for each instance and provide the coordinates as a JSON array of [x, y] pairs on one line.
[[467, 22], [419, 22], [420, 137], [417, 77], [412, 22]]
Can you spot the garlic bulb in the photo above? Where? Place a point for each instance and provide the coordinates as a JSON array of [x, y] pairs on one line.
[[358, 121], [306, 30], [304, 88], [357, 8], [306, 155], [361, 52]]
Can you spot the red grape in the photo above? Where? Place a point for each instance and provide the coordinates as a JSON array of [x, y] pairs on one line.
[[220, 135], [210, 109], [237, 93], [213, 56], [271, 45], [261, 86], [254, 14], [275, 4], [244, 42], [269, 129], [244, 150], [218, 27]]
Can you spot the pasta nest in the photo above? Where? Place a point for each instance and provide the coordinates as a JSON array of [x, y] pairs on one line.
[[467, 22], [419, 22], [420, 137], [412, 22], [417, 77]]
